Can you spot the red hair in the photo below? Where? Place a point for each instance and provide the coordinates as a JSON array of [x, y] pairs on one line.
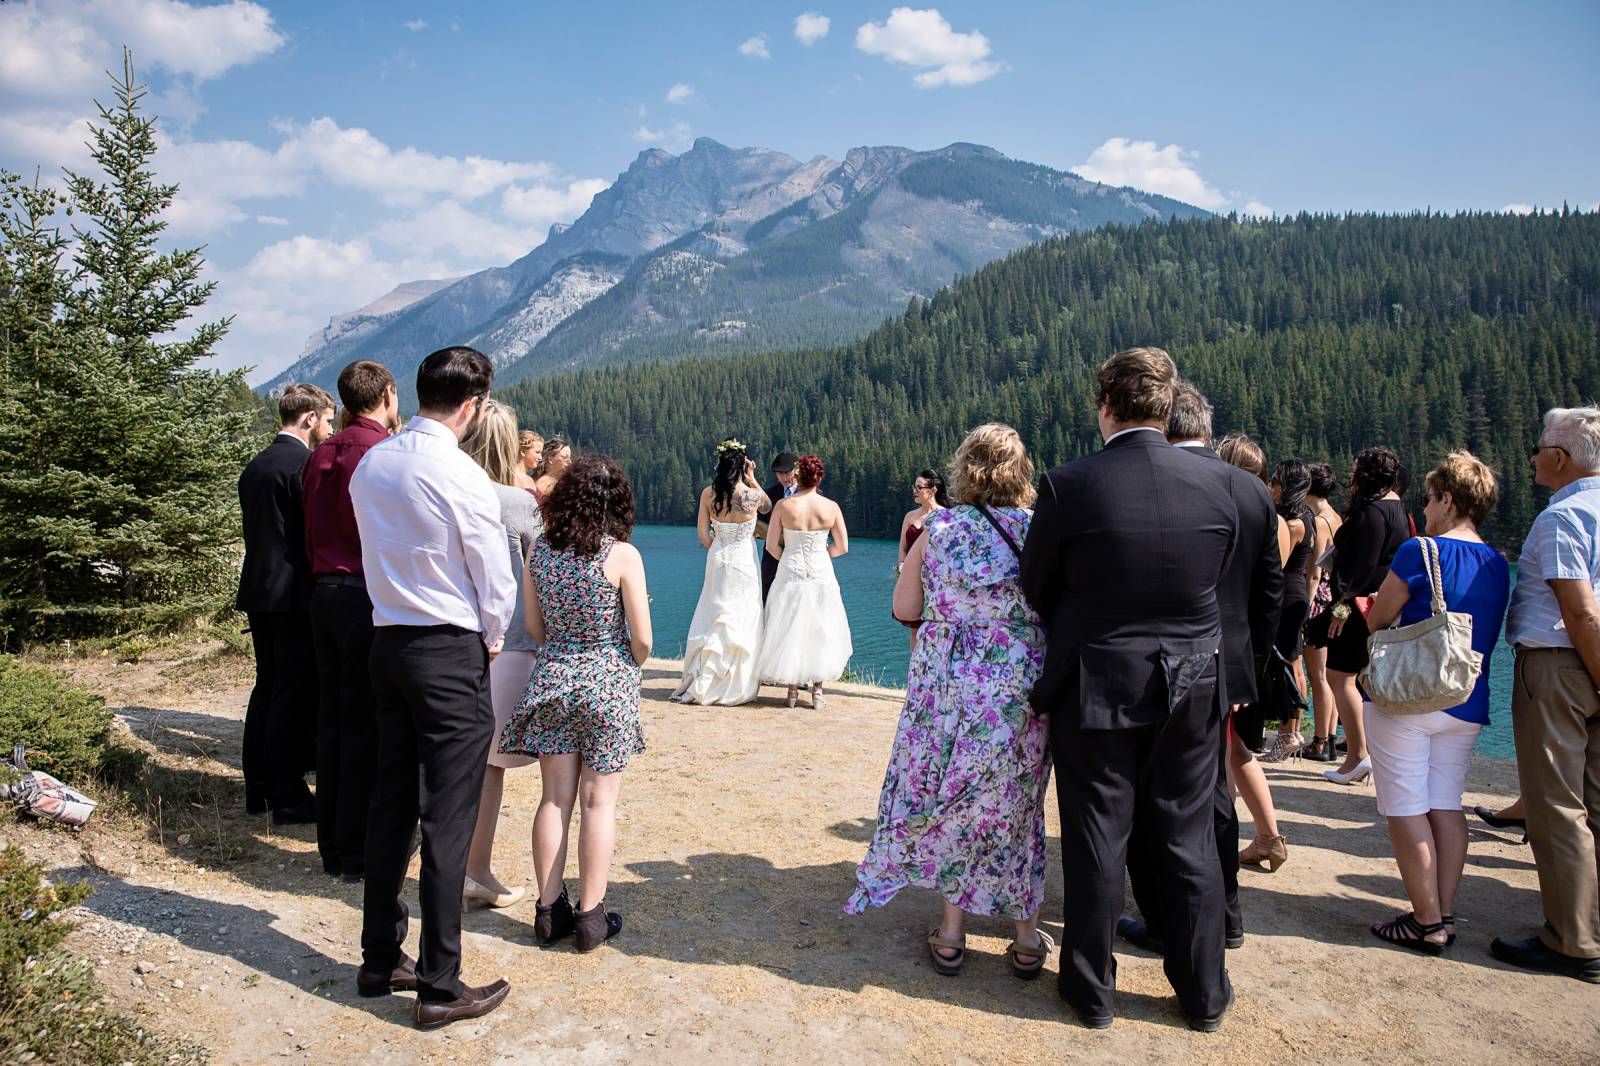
[[808, 471]]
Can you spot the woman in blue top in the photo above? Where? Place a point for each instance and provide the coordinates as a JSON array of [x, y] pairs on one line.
[[1419, 761]]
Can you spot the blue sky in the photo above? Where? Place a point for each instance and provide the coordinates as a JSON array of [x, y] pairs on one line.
[[330, 151]]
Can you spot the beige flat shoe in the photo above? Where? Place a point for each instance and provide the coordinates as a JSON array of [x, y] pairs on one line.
[[473, 891]]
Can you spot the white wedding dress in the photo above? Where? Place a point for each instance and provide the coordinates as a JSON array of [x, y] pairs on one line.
[[805, 636], [719, 660]]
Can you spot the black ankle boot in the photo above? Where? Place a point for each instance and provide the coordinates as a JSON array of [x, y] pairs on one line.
[[555, 921], [596, 926]]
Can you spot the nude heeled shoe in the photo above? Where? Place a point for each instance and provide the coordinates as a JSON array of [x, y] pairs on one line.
[[1271, 852], [471, 891], [818, 700]]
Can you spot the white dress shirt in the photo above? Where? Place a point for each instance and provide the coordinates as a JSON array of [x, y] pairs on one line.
[[432, 547], [1136, 429]]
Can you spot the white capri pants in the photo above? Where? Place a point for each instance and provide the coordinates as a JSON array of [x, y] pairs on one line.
[[1419, 761]]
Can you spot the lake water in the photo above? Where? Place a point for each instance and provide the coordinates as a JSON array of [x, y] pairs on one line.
[[675, 565]]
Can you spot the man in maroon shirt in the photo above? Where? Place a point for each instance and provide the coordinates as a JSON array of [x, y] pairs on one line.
[[341, 620]]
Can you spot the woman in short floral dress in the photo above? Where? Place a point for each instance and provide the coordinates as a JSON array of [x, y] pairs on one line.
[[962, 809], [588, 608]]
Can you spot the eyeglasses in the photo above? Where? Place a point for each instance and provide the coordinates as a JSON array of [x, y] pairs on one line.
[[1537, 448]]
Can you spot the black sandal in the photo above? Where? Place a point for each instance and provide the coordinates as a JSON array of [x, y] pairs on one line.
[[1407, 932], [1448, 919]]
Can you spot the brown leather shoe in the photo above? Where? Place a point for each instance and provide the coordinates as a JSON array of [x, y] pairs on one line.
[[402, 979], [471, 1003]]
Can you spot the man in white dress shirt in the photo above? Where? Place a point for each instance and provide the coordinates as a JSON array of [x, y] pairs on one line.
[[434, 556]]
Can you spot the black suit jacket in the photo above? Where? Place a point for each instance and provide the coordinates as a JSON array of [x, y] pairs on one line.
[[275, 576], [774, 493], [1250, 594], [1122, 562]]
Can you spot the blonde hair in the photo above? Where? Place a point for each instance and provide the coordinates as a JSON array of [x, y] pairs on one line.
[[492, 444], [992, 468], [1470, 483], [1244, 453], [529, 439]]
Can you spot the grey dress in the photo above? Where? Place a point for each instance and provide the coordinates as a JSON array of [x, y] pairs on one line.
[[519, 515]]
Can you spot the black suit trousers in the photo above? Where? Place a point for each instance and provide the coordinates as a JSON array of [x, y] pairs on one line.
[[1225, 821], [280, 721], [435, 723], [769, 571], [1162, 778], [347, 724]]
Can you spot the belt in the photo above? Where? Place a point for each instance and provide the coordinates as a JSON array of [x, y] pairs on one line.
[[355, 580]]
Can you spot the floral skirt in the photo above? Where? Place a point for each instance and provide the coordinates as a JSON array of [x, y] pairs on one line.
[[582, 698]]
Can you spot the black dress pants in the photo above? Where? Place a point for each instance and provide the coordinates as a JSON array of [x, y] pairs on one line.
[[1162, 778], [769, 570], [347, 722], [1225, 821], [435, 723], [280, 722]]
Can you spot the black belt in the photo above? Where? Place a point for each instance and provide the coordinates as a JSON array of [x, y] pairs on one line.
[[355, 580]]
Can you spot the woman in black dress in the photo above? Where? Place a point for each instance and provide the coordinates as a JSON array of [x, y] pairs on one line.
[[1290, 483], [1375, 525]]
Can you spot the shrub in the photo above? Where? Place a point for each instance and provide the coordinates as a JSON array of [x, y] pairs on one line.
[[67, 729], [50, 1008]]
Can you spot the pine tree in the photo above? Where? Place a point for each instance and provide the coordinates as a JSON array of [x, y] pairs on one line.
[[124, 515]]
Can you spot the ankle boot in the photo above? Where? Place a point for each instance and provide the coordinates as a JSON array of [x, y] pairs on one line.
[[596, 926], [555, 921]]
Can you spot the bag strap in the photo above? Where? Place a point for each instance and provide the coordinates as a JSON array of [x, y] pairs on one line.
[[1430, 559], [981, 509]]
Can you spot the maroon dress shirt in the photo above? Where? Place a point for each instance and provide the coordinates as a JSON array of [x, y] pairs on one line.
[[333, 544]]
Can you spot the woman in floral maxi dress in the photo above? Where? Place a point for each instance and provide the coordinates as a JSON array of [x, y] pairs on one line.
[[962, 809]]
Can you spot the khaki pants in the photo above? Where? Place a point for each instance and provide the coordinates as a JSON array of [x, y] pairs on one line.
[[1555, 715]]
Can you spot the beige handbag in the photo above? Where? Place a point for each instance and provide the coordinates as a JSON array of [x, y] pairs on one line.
[[1428, 665]]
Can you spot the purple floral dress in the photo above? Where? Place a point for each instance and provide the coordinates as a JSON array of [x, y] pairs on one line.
[[962, 809]]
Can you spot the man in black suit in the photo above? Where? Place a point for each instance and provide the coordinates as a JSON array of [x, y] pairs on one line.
[[1122, 563], [782, 485], [1250, 596], [275, 594]]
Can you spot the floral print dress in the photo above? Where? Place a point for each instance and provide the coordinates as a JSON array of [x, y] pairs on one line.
[[584, 693], [962, 809]]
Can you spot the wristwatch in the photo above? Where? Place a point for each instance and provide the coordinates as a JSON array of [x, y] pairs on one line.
[[1341, 611]]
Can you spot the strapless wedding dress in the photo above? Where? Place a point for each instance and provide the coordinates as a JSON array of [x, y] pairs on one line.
[[805, 636], [719, 660]]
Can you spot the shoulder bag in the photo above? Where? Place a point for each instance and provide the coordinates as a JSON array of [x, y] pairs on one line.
[[1428, 665]]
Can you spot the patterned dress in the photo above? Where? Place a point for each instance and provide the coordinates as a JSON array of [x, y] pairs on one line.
[[584, 693], [962, 809]]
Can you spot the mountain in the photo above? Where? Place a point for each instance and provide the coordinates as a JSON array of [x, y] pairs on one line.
[[1317, 335], [327, 351], [721, 250]]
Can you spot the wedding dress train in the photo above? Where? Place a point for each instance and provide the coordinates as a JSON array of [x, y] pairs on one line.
[[719, 660]]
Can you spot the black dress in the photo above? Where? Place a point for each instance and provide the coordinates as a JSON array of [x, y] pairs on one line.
[[1296, 596], [1363, 549]]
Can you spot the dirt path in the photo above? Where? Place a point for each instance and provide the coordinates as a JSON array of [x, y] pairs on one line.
[[739, 833]]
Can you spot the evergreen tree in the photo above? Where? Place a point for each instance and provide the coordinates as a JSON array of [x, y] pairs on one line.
[[120, 507]]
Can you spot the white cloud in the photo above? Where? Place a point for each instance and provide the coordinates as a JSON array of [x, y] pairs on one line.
[[810, 28], [1257, 209], [415, 25], [272, 220], [677, 136], [62, 50], [1517, 209], [756, 46], [680, 94], [1168, 171], [914, 38], [540, 205]]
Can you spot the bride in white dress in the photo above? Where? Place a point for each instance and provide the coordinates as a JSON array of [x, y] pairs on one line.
[[719, 660], [805, 636]]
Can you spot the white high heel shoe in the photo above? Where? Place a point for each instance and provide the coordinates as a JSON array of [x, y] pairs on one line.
[[818, 701], [471, 890], [1359, 772], [794, 694]]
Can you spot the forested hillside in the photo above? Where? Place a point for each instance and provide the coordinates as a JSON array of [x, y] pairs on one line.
[[1319, 335]]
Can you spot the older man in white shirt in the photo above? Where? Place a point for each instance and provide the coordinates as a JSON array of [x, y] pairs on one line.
[[434, 556]]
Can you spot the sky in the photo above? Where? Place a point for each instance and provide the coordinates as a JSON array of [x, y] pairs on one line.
[[328, 152]]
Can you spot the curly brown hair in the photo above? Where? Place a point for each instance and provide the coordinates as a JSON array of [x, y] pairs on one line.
[[593, 501], [991, 468], [808, 471]]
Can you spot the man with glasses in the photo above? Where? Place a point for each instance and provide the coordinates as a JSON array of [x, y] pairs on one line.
[[1554, 625]]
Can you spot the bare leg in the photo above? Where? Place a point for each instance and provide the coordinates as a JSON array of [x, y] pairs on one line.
[[1513, 810], [1292, 725], [1251, 783], [1418, 859], [1347, 698], [1324, 720], [480, 859], [597, 834], [1028, 937], [952, 926], [1450, 847], [559, 774]]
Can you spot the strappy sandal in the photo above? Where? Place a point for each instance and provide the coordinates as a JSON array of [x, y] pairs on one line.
[[1407, 932], [1448, 919], [947, 967], [1036, 957]]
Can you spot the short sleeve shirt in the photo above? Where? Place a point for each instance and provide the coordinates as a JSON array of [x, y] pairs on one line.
[[1477, 581], [1563, 544]]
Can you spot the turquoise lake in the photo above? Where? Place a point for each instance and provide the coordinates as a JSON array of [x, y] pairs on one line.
[[675, 566]]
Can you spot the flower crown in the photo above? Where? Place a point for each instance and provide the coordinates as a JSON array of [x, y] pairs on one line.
[[729, 445]]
